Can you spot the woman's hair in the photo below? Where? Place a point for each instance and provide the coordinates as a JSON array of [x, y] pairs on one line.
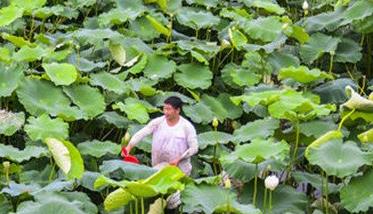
[[174, 101]]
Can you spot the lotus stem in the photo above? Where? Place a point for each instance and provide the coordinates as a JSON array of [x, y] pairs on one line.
[[331, 63], [270, 201], [344, 118], [214, 161], [136, 206], [265, 200], [255, 184], [131, 208], [142, 205]]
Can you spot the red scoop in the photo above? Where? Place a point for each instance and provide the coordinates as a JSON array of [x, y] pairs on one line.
[[129, 158]]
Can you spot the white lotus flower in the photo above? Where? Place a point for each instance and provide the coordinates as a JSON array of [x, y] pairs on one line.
[[305, 5], [271, 182]]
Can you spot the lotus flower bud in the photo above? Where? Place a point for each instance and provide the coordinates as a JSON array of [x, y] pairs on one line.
[[332, 53], [271, 182], [305, 5], [215, 122], [6, 165]]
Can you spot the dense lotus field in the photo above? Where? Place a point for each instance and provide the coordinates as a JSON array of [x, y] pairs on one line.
[[278, 91]]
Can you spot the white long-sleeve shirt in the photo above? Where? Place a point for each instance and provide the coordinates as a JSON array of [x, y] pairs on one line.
[[170, 142]]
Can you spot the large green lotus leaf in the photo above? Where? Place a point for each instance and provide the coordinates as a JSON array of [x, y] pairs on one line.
[[235, 13], [197, 19], [260, 150], [328, 20], [326, 137], [221, 106], [39, 97], [131, 171], [239, 170], [266, 29], [256, 129], [277, 43], [134, 109], [165, 179], [90, 101], [279, 60], [237, 38], [158, 26], [53, 202], [117, 199], [45, 12], [10, 14], [206, 198], [109, 82], [298, 33], [118, 53], [11, 122], [338, 158], [206, 3], [143, 29], [290, 101], [302, 74], [268, 6], [117, 16], [366, 137], [112, 117], [199, 113], [61, 73], [317, 45], [207, 49], [234, 111], [315, 180], [357, 11], [357, 196], [348, 51], [14, 154], [364, 26], [29, 54], [213, 138], [94, 36], [60, 154], [29, 5], [98, 149], [316, 128], [17, 40], [285, 199], [141, 190], [159, 67], [193, 76], [357, 102], [43, 127], [235, 74], [334, 91], [5, 55], [67, 157], [15, 189], [140, 65], [83, 64], [263, 97]]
